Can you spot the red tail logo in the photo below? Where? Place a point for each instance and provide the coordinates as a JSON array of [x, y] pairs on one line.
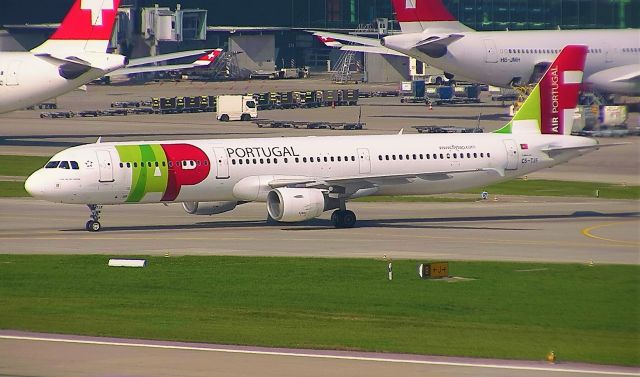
[[88, 20], [559, 89], [421, 10]]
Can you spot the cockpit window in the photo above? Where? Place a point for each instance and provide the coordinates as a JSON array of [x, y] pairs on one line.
[[74, 165], [52, 164], [64, 165]]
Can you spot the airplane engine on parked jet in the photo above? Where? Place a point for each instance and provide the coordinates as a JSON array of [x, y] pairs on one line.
[[295, 204], [208, 208]]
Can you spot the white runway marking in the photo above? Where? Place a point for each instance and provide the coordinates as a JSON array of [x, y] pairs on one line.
[[321, 356]]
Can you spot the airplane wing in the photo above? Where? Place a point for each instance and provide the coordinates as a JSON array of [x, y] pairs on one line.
[[444, 40], [165, 57], [202, 62], [350, 184], [371, 50], [347, 38]]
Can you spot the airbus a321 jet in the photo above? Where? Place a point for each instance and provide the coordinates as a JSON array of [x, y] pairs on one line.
[[75, 54], [503, 58], [299, 178]]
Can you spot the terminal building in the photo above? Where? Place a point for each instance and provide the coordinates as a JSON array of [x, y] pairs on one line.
[[269, 35]]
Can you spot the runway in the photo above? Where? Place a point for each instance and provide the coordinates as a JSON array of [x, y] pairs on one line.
[[53, 355], [513, 229]]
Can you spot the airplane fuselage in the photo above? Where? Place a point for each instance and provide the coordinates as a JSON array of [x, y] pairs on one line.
[[27, 79], [242, 169], [503, 58]]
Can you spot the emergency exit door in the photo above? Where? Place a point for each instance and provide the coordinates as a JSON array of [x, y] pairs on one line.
[[364, 160]]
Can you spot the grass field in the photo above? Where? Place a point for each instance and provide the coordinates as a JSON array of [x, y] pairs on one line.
[[563, 188], [21, 165], [505, 310], [12, 189]]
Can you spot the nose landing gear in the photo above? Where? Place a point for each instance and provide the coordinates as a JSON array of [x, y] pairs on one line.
[[93, 225]]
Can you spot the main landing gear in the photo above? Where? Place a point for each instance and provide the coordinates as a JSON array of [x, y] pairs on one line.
[[93, 225], [343, 218]]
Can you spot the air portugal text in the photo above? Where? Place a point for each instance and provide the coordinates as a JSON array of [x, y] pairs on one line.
[[262, 152]]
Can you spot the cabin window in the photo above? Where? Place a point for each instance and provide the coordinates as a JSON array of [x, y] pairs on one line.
[[435, 156], [441, 156], [475, 155], [399, 157], [428, 156], [121, 165], [448, 155], [128, 164], [421, 156], [275, 160], [488, 154], [482, 155], [297, 160], [262, 160], [380, 157], [233, 161], [325, 159], [286, 160], [386, 157], [331, 159], [135, 164], [339, 158], [310, 159], [455, 155], [52, 164], [304, 159], [240, 161], [255, 161], [393, 157]]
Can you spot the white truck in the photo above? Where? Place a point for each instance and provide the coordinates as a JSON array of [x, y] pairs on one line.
[[236, 107]]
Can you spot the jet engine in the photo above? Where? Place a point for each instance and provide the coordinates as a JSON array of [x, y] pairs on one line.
[[208, 208], [295, 204]]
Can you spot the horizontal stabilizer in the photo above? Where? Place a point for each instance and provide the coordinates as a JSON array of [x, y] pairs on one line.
[[164, 57], [552, 151]]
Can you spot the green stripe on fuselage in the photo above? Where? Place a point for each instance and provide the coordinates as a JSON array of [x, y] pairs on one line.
[[144, 178]]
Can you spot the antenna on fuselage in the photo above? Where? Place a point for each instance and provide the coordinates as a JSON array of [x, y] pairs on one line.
[[478, 121], [99, 140], [401, 131]]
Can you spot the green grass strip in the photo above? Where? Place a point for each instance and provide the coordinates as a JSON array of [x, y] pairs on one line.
[[414, 199], [12, 189], [541, 187], [21, 165], [505, 310]]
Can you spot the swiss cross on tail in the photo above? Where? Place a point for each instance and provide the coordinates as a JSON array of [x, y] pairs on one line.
[[559, 89], [208, 58], [421, 10], [88, 20]]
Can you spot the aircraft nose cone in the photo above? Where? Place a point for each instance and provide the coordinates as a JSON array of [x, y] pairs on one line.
[[35, 185]]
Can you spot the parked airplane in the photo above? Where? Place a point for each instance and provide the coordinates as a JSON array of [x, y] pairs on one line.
[[504, 58], [75, 54], [301, 177]]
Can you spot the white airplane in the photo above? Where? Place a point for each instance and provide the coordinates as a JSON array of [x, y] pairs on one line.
[[503, 58], [301, 177], [75, 54]]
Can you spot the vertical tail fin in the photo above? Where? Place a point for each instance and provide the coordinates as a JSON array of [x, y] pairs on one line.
[[550, 107], [87, 27], [209, 58], [415, 16]]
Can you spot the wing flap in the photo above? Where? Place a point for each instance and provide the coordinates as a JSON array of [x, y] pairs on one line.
[[348, 38]]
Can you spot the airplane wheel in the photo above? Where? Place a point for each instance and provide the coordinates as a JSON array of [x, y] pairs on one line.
[[93, 226], [348, 219], [87, 226]]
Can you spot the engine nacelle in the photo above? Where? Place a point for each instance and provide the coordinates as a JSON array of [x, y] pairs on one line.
[[208, 208], [295, 204]]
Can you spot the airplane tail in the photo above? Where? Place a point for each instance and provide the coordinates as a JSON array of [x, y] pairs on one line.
[[416, 16], [550, 107], [87, 27], [208, 59]]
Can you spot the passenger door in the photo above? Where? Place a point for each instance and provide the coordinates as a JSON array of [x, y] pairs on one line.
[[491, 55], [11, 73], [512, 154], [222, 162], [105, 166]]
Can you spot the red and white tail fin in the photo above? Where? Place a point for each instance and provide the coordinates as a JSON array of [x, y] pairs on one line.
[[209, 58], [550, 107], [329, 42], [87, 27], [416, 16]]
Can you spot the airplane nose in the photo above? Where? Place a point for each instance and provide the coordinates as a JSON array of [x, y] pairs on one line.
[[35, 185]]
